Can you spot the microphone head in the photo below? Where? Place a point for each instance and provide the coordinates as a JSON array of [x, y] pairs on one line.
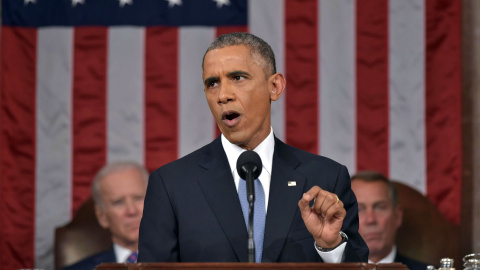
[[249, 160]]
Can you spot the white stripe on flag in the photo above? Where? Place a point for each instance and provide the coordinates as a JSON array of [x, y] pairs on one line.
[[125, 94], [337, 81], [407, 93], [54, 139], [196, 124], [265, 21]]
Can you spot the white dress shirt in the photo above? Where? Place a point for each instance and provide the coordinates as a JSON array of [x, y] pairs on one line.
[[121, 253], [389, 258], [265, 151]]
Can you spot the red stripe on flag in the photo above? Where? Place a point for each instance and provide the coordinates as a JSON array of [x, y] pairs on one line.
[[161, 96], [372, 86], [301, 51], [221, 30], [230, 29], [443, 106], [17, 147], [89, 109]]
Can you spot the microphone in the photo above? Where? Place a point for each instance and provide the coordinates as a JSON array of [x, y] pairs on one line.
[[249, 167]]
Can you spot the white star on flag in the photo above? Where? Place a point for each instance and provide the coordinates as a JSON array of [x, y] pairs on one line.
[[220, 3], [172, 3], [29, 1], [75, 2], [124, 2]]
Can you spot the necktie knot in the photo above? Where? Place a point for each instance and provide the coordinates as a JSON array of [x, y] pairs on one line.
[[132, 258]]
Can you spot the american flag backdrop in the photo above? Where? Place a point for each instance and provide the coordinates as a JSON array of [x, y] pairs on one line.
[[373, 84]]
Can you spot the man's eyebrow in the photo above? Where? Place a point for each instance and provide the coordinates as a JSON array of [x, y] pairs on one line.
[[237, 73], [210, 80]]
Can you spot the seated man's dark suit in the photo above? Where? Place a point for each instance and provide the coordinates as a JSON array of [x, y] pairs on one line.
[[192, 212], [94, 260], [410, 263]]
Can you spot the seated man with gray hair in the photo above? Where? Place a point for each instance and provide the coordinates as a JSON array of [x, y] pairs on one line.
[[118, 190], [380, 217]]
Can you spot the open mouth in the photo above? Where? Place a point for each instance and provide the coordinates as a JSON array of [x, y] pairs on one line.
[[230, 118], [231, 115]]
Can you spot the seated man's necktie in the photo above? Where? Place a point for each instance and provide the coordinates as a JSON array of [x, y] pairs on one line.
[[132, 258]]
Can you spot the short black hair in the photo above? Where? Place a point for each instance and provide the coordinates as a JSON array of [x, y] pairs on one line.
[[259, 49]]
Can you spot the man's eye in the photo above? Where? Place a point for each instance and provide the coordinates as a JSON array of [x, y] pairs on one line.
[[238, 78], [212, 84], [117, 202]]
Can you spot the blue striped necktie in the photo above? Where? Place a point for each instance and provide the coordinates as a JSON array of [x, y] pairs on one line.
[[132, 258], [258, 214]]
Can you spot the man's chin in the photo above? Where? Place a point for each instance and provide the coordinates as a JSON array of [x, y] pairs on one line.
[[374, 244], [132, 240], [234, 137]]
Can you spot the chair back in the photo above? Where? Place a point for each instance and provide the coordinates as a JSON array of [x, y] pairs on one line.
[[80, 238], [425, 235]]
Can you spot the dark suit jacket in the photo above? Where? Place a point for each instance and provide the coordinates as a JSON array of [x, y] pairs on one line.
[[94, 260], [192, 212], [410, 263]]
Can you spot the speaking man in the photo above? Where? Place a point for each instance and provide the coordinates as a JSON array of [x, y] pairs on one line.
[[193, 207]]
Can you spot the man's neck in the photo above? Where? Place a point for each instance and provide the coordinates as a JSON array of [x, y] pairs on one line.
[[385, 257], [131, 246]]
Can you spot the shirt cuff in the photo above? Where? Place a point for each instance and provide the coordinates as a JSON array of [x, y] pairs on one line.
[[333, 256]]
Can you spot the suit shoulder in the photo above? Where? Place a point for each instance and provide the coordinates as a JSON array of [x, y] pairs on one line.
[[92, 261], [189, 159], [188, 167], [410, 263], [307, 157]]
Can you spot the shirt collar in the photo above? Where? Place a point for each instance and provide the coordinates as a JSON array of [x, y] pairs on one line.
[[121, 253], [264, 150], [390, 258]]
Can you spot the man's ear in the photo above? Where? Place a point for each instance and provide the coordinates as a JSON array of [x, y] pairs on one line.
[[102, 217], [277, 85]]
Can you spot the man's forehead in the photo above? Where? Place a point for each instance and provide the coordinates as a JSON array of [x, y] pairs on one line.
[[370, 188], [238, 52], [372, 200], [361, 182], [239, 56]]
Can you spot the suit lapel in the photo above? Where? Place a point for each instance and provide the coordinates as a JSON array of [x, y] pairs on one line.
[[219, 190], [283, 201]]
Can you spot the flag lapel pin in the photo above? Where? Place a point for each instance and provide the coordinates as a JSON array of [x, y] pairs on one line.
[[292, 183]]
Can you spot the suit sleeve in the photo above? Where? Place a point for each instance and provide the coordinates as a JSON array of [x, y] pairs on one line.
[[356, 249], [158, 240]]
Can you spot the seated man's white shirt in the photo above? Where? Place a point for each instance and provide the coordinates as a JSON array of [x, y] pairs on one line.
[[390, 258], [121, 253], [265, 151]]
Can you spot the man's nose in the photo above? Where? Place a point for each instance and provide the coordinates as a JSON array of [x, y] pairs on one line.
[[132, 208], [369, 217], [226, 93]]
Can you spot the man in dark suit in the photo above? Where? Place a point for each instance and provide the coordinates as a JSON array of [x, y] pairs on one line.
[[192, 209], [380, 217], [118, 190]]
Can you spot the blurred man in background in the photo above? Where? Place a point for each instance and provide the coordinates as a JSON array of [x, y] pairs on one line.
[[118, 190], [380, 217]]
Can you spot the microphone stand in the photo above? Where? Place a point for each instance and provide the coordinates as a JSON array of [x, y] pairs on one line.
[[251, 200]]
